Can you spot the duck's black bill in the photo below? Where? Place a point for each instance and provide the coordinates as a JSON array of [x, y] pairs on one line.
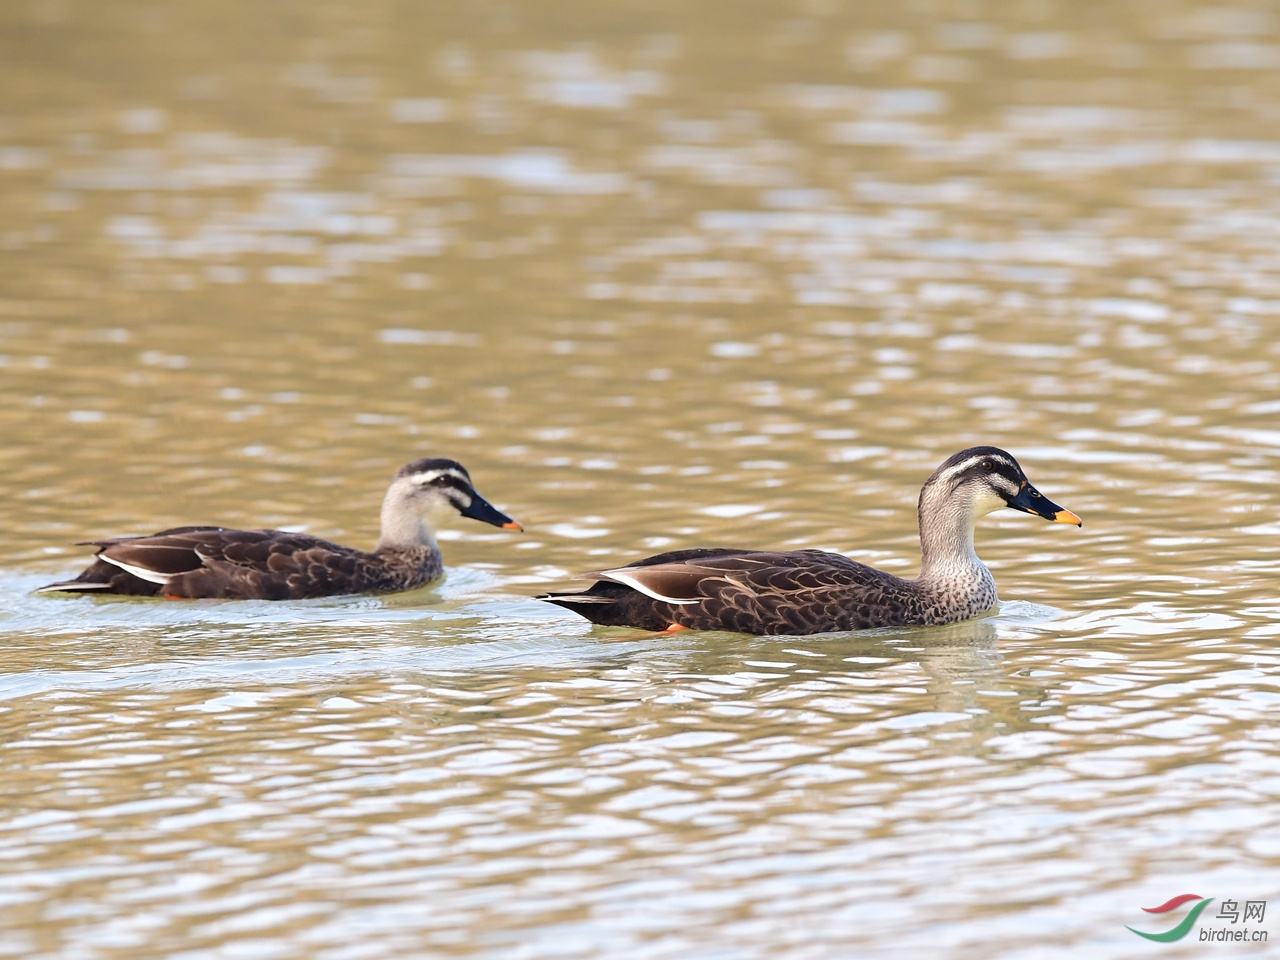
[[1031, 500], [481, 509]]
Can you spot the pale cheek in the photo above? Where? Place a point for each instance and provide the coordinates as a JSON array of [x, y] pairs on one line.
[[990, 502], [438, 513]]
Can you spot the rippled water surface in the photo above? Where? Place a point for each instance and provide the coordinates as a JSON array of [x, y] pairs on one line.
[[660, 275]]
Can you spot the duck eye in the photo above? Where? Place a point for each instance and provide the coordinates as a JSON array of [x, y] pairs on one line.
[[988, 466]]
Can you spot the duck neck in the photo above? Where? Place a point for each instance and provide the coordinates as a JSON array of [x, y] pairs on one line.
[[946, 542], [403, 529]]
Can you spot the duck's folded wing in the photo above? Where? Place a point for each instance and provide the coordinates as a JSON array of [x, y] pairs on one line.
[[674, 578], [184, 550], [160, 556], [217, 562], [262, 549]]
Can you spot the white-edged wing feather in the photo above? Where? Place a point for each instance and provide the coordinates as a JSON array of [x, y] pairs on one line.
[[142, 573], [661, 581], [627, 577]]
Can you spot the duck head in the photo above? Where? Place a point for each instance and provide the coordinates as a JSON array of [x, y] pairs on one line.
[[986, 479], [425, 495]]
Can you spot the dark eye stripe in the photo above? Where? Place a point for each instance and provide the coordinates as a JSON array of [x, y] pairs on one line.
[[442, 479], [980, 466], [976, 469]]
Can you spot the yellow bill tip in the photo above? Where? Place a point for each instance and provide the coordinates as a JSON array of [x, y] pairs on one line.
[[513, 525], [1066, 516]]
